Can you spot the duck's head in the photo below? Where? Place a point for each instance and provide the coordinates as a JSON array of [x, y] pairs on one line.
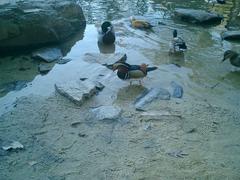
[[228, 55], [116, 65], [132, 18], [174, 33], [106, 25]]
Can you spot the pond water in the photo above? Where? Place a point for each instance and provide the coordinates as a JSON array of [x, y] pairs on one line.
[[202, 74], [205, 47]]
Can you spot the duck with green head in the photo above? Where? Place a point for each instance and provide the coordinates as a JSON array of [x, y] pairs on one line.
[[106, 34], [177, 44], [233, 56]]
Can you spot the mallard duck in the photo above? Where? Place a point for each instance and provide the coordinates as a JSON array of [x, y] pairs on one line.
[[233, 57], [126, 71], [141, 24], [177, 44], [106, 34]]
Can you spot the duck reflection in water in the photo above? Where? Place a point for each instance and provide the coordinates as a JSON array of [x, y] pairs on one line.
[[106, 49], [106, 38], [106, 34]]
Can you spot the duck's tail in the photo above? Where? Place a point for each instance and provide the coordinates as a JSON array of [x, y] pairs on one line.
[[150, 26], [151, 68]]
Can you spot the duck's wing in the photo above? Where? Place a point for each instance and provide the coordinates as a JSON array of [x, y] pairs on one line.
[[235, 60], [135, 72], [108, 38], [151, 68], [180, 43], [141, 24]]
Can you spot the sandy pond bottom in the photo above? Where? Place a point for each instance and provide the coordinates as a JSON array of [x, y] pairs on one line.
[[196, 137], [191, 141]]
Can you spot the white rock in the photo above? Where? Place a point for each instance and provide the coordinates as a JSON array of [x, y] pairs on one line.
[[13, 145]]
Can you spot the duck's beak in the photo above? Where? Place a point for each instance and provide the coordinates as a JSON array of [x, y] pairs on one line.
[[226, 56], [223, 59]]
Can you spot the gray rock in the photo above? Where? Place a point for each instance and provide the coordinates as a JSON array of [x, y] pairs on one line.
[[63, 61], [231, 35], [151, 95], [47, 54], [106, 113], [77, 91], [44, 68], [13, 86], [197, 16], [177, 90], [30, 24]]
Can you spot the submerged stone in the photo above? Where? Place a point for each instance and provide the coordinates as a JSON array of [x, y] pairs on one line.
[[44, 68], [151, 95], [231, 35], [177, 90], [13, 86], [47, 54]]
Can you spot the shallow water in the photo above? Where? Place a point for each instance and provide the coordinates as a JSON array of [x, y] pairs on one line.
[[202, 75]]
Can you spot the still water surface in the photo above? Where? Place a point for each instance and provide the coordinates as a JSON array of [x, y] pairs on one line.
[[205, 47]]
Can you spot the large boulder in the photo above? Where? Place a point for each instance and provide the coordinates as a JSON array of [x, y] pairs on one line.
[[197, 16], [29, 24]]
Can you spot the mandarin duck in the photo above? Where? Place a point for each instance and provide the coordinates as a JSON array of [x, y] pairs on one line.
[[126, 71], [140, 24], [177, 44], [233, 57], [106, 34]]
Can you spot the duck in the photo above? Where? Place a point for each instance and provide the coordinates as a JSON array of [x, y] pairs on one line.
[[233, 56], [126, 71], [106, 34], [177, 44], [140, 24], [216, 1]]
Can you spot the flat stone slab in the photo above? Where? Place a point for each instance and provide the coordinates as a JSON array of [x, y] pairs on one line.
[[231, 35], [197, 16], [78, 91], [47, 54], [106, 113]]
